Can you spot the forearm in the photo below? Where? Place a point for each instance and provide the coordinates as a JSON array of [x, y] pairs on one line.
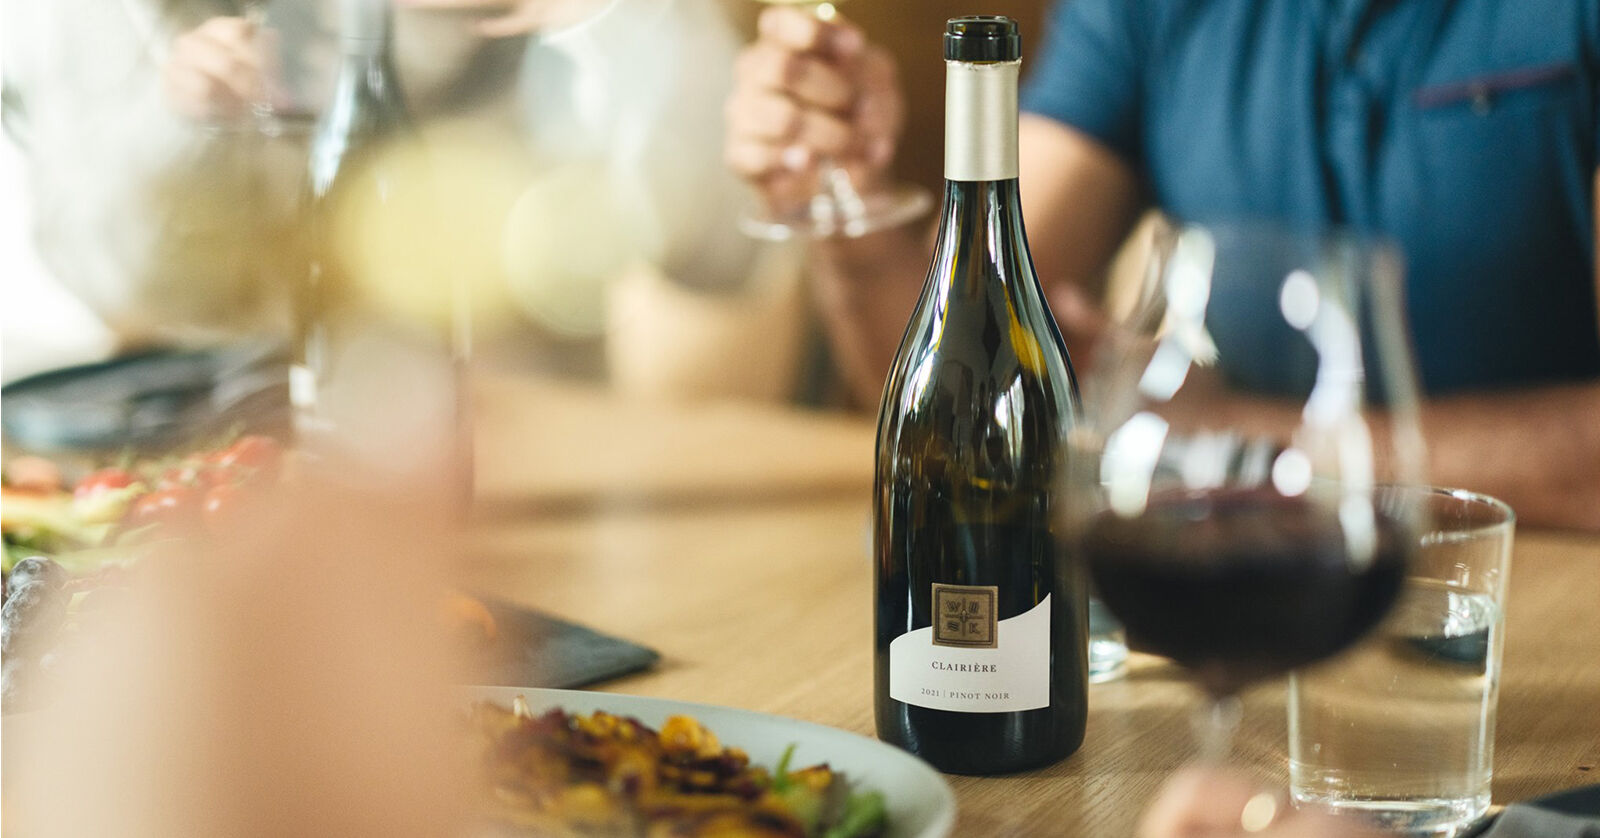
[[1538, 449], [866, 289]]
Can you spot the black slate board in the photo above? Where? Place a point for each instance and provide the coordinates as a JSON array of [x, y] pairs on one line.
[[150, 401], [534, 649]]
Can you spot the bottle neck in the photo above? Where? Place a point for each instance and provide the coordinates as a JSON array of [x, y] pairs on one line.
[[981, 235], [980, 121], [364, 28]]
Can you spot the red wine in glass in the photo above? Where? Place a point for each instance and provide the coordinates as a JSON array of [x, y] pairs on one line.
[[1240, 585]]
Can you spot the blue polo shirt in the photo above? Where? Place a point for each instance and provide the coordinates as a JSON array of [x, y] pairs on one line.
[[1465, 131]]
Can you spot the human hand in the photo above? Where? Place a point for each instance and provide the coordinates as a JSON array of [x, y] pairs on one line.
[[808, 89], [215, 70], [1208, 804]]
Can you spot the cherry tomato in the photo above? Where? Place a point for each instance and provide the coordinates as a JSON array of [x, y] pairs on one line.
[[259, 455], [33, 474], [177, 506], [103, 480]]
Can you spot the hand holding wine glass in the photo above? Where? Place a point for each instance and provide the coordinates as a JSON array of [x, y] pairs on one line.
[[813, 121], [215, 71], [1217, 804]]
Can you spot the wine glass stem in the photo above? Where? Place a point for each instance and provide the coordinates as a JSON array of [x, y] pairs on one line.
[[837, 202], [1214, 721], [262, 111]]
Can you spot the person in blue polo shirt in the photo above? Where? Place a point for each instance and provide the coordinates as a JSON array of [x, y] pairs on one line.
[[1465, 131]]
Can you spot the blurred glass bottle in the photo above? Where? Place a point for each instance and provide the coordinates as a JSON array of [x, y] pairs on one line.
[[364, 361], [365, 114]]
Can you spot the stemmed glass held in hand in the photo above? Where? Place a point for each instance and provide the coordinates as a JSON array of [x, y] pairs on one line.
[[838, 206], [1226, 488]]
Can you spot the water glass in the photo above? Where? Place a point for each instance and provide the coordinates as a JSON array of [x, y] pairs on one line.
[[1400, 730], [1108, 644]]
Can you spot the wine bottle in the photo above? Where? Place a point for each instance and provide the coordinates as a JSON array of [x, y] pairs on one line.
[[981, 653], [366, 116]]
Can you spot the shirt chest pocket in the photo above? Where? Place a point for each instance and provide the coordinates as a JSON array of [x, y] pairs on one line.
[[1501, 93], [1502, 143], [1493, 199]]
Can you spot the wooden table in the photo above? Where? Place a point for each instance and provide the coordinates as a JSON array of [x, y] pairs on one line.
[[734, 539]]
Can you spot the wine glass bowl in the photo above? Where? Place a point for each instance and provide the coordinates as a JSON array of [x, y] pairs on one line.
[[1225, 490], [838, 209]]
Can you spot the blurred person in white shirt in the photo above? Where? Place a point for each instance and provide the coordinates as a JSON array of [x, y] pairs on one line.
[[148, 200], [154, 205]]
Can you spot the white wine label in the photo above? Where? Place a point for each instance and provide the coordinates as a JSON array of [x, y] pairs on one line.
[[1013, 673]]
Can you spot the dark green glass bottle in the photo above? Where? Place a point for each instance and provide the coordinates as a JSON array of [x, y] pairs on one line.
[[981, 654]]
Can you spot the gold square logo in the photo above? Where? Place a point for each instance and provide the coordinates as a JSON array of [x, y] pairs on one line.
[[965, 616]]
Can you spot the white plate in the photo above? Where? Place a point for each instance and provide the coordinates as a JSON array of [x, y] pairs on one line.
[[920, 802]]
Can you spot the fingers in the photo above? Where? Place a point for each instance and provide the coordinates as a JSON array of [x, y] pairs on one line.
[[798, 31], [757, 160], [879, 109], [806, 90], [214, 68], [1197, 803], [227, 31], [774, 118], [1202, 804], [808, 78], [771, 133]]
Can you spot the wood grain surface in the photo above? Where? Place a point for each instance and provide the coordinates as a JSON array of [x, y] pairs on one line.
[[755, 585]]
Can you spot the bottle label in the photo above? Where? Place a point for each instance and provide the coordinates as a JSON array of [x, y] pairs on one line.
[[968, 661]]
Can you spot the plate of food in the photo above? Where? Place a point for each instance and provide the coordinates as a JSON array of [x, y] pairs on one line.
[[67, 544], [560, 762]]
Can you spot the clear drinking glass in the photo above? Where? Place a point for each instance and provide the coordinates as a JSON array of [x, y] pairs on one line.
[[1108, 644], [838, 207], [1224, 488], [1400, 730]]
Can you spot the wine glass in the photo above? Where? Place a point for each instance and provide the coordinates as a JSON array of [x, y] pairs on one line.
[[263, 111], [1225, 490], [837, 208]]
